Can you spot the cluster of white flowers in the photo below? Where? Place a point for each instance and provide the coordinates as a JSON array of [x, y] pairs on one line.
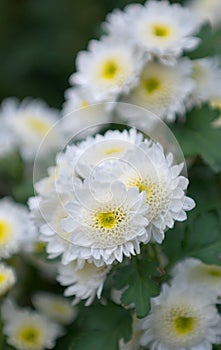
[[184, 316], [141, 60], [105, 196]]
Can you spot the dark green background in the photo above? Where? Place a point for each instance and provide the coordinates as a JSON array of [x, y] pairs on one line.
[[39, 40]]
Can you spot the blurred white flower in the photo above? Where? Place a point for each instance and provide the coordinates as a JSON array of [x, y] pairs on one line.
[[161, 28], [8, 142], [206, 11], [151, 172], [17, 233], [82, 115], [31, 121], [207, 77], [55, 307], [28, 330], [163, 90], [181, 319], [109, 68], [7, 278], [84, 283], [195, 273]]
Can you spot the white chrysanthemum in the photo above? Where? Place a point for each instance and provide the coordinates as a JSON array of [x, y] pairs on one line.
[[30, 121], [7, 278], [149, 170], [84, 283], [116, 24], [8, 143], [109, 68], [103, 149], [82, 116], [207, 77], [161, 28], [181, 319], [16, 230], [105, 222], [28, 330], [48, 214], [163, 90], [206, 10], [55, 307], [195, 273]]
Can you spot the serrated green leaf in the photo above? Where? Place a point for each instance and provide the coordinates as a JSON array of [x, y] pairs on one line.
[[102, 327], [140, 287], [199, 237], [198, 136]]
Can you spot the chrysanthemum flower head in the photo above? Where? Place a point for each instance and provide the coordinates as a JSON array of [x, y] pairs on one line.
[[8, 142], [195, 273], [82, 115], [181, 319], [55, 307], [206, 11], [207, 77], [105, 222], [151, 172], [16, 229], [109, 68], [164, 29], [28, 330], [85, 283], [162, 89], [7, 278], [30, 121], [104, 149]]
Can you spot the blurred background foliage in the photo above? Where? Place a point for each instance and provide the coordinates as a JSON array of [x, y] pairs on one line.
[[39, 41]]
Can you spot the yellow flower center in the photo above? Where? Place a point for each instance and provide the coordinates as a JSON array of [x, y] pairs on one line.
[[112, 150], [39, 126], [151, 85], [29, 336], [213, 270], [5, 231], [59, 307], [3, 277], [84, 104], [109, 69], [184, 325], [141, 185], [39, 247], [161, 30], [106, 220]]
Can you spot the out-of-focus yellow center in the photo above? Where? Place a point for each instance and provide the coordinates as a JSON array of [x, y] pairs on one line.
[[39, 247], [214, 271], [59, 307], [84, 104], [3, 277], [109, 69], [106, 220], [184, 325], [113, 150], [151, 85], [29, 336], [41, 127], [161, 30], [5, 231]]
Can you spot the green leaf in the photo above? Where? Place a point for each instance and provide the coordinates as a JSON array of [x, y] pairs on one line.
[[137, 277], [199, 137], [199, 237], [210, 43], [102, 327]]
